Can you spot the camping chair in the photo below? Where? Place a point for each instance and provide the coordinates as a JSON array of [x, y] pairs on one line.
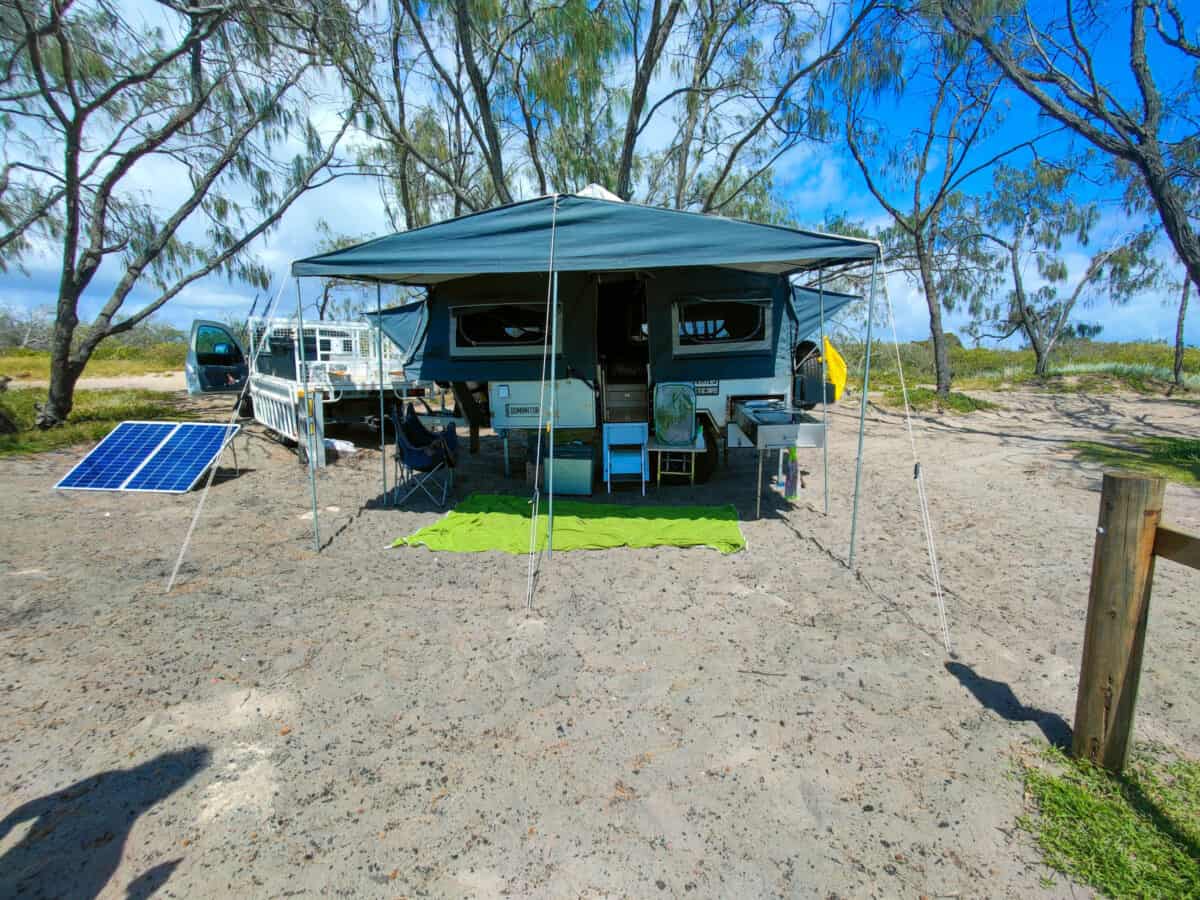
[[676, 430], [625, 452], [422, 458], [420, 436]]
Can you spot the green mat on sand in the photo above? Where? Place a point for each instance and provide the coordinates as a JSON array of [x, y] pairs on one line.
[[496, 522]]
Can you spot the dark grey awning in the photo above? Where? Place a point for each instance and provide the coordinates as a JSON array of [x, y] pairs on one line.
[[592, 235]]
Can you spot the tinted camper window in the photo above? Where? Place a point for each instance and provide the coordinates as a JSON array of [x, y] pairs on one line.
[[716, 325], [511, 328]]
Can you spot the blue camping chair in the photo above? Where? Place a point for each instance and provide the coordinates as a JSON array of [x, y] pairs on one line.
[[423, 458]]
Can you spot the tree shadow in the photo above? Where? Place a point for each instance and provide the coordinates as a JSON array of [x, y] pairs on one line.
[[1000, 699], [146, 884], [77, 835], [1158, 819]]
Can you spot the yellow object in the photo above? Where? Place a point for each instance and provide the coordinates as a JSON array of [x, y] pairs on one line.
[[835, 370]]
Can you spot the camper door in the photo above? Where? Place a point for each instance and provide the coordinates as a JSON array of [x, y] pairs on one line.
[[216, 362]]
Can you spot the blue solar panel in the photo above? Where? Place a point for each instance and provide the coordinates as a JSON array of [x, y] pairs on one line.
[[114, 459], [182, 459], [150, 456]]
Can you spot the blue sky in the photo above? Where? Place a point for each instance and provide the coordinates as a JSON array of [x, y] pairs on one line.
[[814, 180]]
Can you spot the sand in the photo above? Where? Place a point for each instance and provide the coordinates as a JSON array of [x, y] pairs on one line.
[[155, 381], [373, 722]]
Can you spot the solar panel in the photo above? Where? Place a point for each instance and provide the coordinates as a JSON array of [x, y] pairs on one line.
[[181, 460], [150, 456]]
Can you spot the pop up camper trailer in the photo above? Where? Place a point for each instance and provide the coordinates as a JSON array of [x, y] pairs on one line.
[[641, 296]]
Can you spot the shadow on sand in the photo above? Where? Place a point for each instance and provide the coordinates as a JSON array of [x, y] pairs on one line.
[[1000, 699], [76, 836]]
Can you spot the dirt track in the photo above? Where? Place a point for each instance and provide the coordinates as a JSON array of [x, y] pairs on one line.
[[377, 722], [158, 381]]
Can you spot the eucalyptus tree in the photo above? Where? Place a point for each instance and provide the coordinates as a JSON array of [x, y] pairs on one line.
[[1124, 76], [1030, 215], [147, 153], [949, 102]]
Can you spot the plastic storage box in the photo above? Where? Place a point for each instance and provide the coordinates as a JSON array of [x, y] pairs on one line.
[[573, 468]]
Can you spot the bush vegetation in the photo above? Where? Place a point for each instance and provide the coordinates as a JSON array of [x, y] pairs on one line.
[[95, 414], [109, 360], [1177, 459], [1078, 365], [921, 399]]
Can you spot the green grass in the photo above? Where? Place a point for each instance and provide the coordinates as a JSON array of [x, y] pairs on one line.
[[108, 361], [1081, 366], [1136, 835], [95, 414], [1177, 459], [922, 399]]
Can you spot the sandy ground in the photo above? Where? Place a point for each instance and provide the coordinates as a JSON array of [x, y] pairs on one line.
[[674, 723], [156, 381]]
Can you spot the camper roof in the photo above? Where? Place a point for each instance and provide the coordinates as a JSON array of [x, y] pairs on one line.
[[591, 235]]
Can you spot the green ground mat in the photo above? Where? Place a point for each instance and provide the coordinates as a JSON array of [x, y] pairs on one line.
[[497, 522]]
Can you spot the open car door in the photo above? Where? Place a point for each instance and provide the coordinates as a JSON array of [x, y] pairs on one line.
[[216, 362]]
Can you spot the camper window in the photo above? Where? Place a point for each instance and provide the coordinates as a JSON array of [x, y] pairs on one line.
[[510, 329], [718, 326]]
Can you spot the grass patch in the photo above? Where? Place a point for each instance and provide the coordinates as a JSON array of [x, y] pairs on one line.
[[924, 399], [95, 414], [1177, 459], [108, 361], [1135, 835], [1077, 366]]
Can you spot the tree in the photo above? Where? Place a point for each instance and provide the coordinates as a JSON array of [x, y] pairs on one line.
[[25, 328], [1177, 366], [917, 175], [1144, 124], [685, 105], [339, 299], [157, 151], [1029, 215]]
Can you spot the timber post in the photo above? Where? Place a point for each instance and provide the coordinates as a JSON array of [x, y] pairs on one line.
[[1118, 606]]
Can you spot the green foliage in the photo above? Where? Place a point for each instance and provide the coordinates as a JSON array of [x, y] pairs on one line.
[[1177, 459], [94, 415], [109, 360], [923, 399], [102, 109], [1097, 365], [1136, 835], [1028, 215]]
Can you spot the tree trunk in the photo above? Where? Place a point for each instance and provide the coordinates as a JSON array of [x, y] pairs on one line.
[[63, 371], [1183, 305], [1173, 210], [1041, 358], [941, 359], [656, 42]]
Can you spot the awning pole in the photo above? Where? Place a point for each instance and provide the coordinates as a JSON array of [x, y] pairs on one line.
[[824, 399], [862, 415], [382, 420], [309, 417], [553, 410]]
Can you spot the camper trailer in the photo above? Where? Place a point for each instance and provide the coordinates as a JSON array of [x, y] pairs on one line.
[[631, 297]]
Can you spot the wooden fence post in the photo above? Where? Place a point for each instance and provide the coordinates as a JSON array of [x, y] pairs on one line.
[[1118, 604]]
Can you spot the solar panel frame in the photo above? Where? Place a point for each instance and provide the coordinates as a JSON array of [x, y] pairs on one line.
[[168, 452]]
